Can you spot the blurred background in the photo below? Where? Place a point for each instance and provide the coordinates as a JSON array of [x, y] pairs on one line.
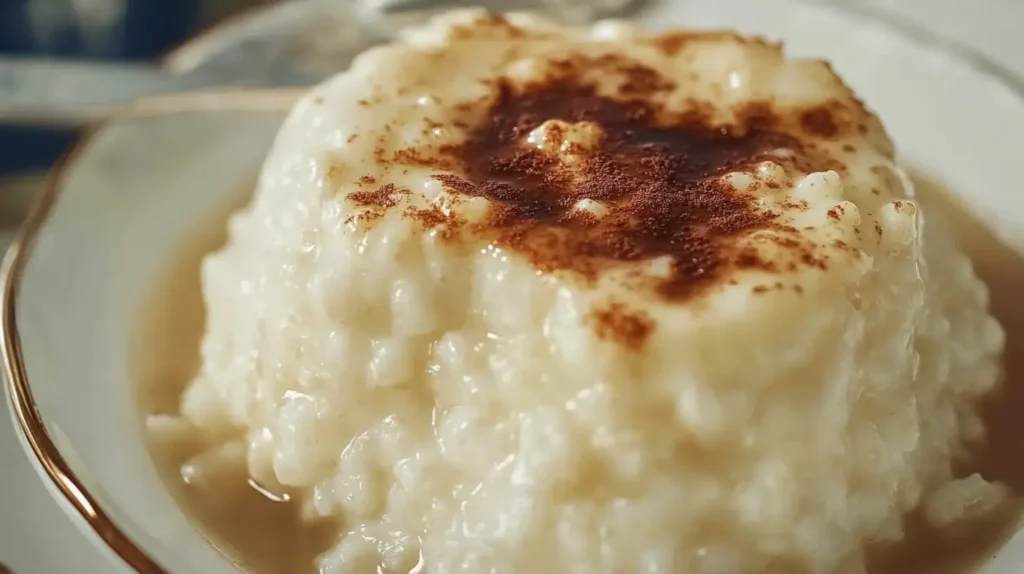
[[111, 50], [118, 30]]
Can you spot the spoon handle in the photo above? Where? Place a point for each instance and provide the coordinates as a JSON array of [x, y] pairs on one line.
[[61, 93]]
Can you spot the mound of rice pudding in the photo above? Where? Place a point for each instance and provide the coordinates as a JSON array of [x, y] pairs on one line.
[[513, 297]]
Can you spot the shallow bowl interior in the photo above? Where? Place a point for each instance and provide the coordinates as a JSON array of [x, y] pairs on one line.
[[127, 199]]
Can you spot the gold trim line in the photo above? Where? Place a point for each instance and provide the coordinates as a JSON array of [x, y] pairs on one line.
[[20, 394]]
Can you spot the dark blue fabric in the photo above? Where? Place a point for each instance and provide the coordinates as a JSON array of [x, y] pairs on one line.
[[148, 29]]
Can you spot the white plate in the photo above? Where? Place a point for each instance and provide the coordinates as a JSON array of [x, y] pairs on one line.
[[35, 535], [943, 111]]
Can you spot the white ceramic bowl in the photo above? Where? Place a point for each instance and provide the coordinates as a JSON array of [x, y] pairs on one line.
[[105, 228], [119, 206]]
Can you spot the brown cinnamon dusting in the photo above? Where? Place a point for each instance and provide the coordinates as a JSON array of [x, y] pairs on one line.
[[656, 171], [433, 217], [376, 203], [615, 322], [819, 122], [385, 196]]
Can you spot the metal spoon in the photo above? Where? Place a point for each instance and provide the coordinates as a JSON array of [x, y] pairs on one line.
[[295, 43]]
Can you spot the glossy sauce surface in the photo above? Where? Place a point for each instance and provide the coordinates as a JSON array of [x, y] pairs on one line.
[[259, 532]]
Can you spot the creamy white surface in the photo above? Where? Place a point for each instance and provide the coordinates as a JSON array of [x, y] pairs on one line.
[[449, 402]]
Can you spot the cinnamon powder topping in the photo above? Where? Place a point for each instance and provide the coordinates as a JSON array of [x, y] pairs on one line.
[[615, 322], [618, 177], [654, 173], [593, 166]]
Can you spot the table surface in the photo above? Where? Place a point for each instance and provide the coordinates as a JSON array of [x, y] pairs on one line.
[[35, 535]]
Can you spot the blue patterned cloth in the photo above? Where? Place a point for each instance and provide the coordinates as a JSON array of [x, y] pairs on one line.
[[89, 29]]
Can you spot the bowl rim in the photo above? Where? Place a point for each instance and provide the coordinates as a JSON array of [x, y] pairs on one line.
[[212, 40], [45, 454], [28, 420]]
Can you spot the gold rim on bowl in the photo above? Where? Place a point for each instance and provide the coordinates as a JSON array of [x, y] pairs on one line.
[[30, 421], [26, 414], [19, 391]]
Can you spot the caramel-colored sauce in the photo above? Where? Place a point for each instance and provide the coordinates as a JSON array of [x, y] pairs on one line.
[[261, 534], [967, 546]]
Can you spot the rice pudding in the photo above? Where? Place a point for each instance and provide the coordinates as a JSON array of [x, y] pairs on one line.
[[514, 297]]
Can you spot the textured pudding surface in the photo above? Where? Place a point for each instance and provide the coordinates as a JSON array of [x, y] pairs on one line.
[[513, 297]]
